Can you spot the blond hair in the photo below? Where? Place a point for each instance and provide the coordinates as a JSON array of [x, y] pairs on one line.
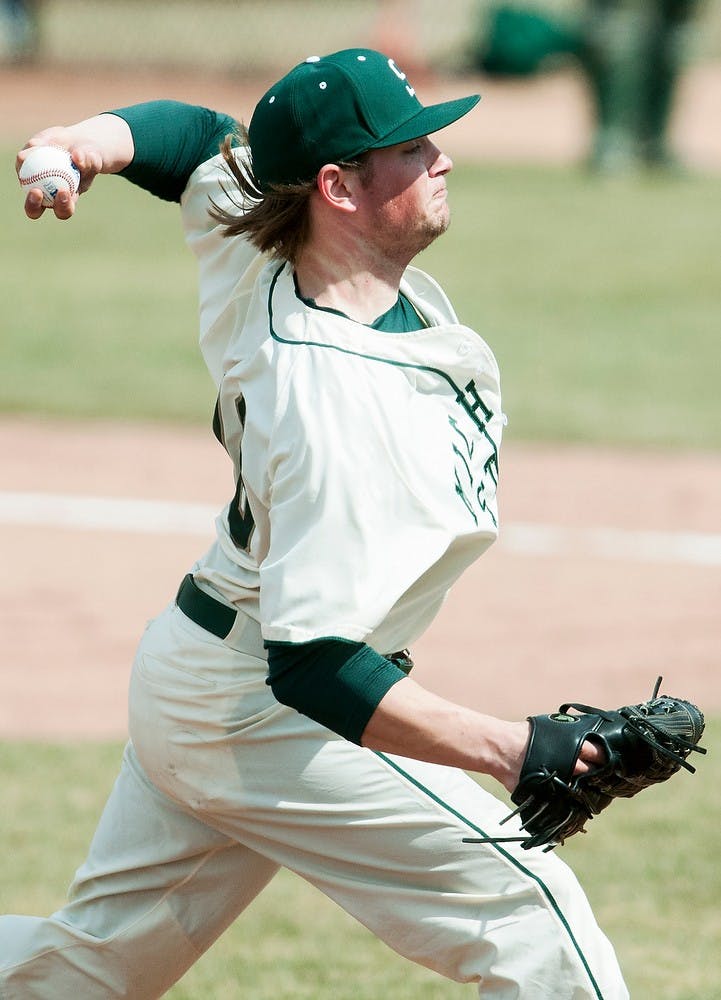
[[275, 220]]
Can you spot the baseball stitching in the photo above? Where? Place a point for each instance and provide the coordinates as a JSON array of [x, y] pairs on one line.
[[41, 175]]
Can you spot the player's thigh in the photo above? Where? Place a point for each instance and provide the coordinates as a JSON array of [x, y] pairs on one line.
[[329, 809]]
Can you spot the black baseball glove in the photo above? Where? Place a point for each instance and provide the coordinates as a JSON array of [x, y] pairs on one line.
[[643, 745]]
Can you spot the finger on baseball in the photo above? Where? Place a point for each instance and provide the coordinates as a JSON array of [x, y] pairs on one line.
[[48, 137], [34, 207], [89, 162], [55, 135], [64, 205], [87, 159]]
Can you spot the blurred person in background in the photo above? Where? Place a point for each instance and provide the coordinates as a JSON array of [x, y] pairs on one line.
[[634, 53], [631, 52], [18, 30]]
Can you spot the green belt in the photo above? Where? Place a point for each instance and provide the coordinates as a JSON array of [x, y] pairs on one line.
[[204, 610]]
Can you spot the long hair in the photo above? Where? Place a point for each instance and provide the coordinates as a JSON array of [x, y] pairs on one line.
[[275, 221]]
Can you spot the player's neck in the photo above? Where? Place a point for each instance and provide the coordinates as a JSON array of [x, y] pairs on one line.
[[358, 284]]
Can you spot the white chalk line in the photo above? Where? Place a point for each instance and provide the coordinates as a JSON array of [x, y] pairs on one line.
[[157, 517], [692, 548], [90, 513]]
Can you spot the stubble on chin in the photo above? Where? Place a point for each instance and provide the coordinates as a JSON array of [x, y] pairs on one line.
[[436, 227], [401, 244]]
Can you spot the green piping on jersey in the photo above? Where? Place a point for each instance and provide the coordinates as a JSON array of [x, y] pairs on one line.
[[402, 317], [460, 393], [509, 857]]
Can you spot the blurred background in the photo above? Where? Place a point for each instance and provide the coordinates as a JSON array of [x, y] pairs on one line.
[[252, 35]]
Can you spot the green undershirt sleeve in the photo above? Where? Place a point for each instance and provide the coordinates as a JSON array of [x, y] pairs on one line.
[[336, 682], [171, 139]]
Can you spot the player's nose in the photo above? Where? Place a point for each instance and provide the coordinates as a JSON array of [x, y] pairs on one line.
[[442, 163]]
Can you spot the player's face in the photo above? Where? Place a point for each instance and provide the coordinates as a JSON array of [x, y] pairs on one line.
[[406, 196]]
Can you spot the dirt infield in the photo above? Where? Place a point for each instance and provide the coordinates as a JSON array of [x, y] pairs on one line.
[[524, 630]]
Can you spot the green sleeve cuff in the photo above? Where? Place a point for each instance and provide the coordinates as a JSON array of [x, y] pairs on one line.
[[333, 681], [171, 139]]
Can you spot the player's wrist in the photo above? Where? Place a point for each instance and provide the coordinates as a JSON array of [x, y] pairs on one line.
[[105, 142], [503, 751]]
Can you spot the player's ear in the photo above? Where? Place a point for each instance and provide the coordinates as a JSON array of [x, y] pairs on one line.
[[337, 187]]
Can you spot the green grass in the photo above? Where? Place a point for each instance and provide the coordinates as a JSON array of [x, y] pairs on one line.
[[99, 313], [649, 866], [600, 299]]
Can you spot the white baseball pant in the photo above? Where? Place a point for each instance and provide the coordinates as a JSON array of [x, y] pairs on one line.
[[220, 786]]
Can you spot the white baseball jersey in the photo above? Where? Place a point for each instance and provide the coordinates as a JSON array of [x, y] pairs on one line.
[[337, 528]]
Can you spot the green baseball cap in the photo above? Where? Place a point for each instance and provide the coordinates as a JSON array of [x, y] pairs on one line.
[[332, 108]]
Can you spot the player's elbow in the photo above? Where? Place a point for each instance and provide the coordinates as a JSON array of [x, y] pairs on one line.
[[336, 683]]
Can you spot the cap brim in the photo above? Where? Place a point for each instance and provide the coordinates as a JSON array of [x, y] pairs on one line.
[[428, 120]]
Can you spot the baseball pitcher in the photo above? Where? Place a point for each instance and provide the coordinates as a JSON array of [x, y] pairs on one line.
[[274, 719]]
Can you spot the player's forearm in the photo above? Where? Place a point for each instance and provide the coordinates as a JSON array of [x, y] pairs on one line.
[[367, 699], [414, 722]]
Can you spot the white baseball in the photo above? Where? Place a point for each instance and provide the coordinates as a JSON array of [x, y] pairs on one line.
[[51, 169]]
